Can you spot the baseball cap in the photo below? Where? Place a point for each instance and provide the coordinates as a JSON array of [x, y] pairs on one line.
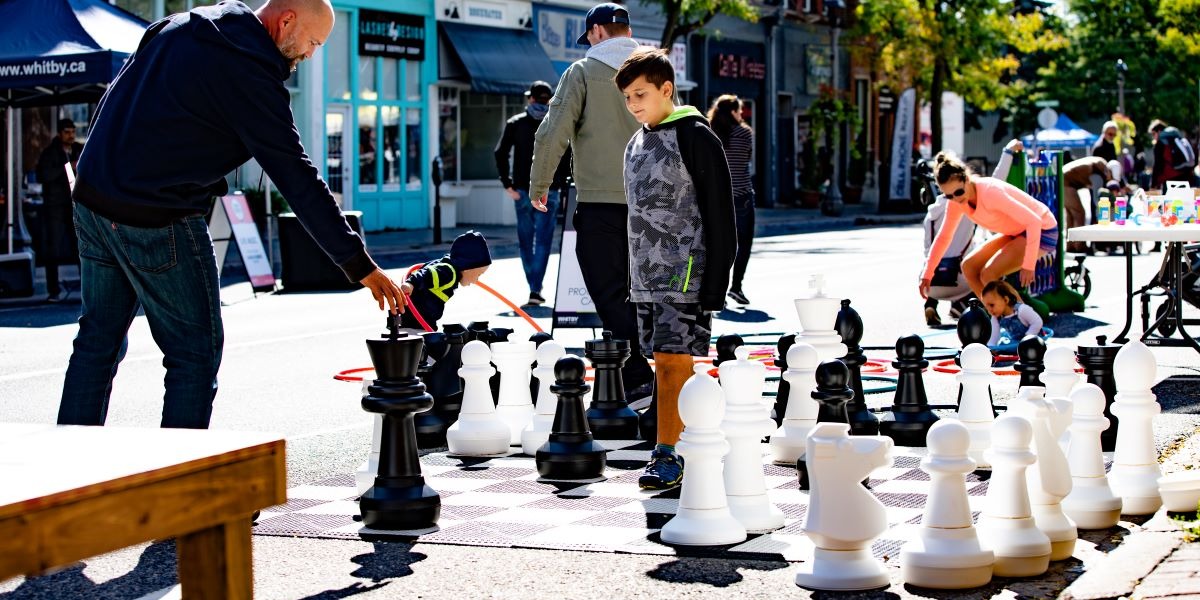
[[601, 14], [539, 89]]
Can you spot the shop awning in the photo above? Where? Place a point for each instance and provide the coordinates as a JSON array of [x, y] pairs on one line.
[[493, 60]]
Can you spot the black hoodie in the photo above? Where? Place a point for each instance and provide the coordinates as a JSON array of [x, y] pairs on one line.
[[203, 93]]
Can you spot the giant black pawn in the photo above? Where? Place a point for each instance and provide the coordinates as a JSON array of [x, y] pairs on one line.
[[833, 391], [784, 344], [609, 417], [974, 327], [849, 325], [430, 426], [1097, 362], [400, 499], [911, 417], [444, 383], [1031, 352], [570, 453], [726, 344]]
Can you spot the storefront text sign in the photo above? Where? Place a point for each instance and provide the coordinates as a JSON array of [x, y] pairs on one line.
[[736, 66], [510, 14], [392, 35]]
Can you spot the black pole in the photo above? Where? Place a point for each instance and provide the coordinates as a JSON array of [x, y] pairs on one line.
[[437, 200]]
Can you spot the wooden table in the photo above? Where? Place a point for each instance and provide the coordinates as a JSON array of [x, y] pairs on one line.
[[69, 493], [1174, 236]]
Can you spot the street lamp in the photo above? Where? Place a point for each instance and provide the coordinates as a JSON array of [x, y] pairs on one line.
[[831, 204], [1122, 69]]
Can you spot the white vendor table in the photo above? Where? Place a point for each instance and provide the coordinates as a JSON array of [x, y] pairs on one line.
[[1175, 237]]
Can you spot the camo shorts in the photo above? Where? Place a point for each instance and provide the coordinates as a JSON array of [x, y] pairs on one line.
[[674, 328]]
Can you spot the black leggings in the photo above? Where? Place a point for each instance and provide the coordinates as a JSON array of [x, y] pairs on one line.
[[743, 210]]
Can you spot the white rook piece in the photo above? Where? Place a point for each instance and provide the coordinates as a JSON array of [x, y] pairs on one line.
[[946, 554], [478, 430], [515, 406], [703, 517], [1091, 503], [787, 444], [1049, 479], [843, 517], [818, 318], [538, 430], [1134, 475], [1007, 525], [746, 423], [1060, 378], [975, 407]]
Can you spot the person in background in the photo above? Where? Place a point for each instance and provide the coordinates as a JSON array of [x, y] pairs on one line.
[[588, 115], [172, 125], [737, 138], [535, 229], [58, 230], [1091, 173], [1174, 157], [1105, 147]]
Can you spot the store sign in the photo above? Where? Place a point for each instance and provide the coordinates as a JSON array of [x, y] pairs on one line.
[[678, 55], [818, 69], [391, 35], [737, 66], [557, 31], [509, 14]]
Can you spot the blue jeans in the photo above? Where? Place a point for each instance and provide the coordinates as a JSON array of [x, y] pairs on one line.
[[171, 274], [535, 234]]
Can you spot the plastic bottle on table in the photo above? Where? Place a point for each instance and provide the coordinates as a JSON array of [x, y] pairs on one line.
[[1119, 209], [1104, 211]]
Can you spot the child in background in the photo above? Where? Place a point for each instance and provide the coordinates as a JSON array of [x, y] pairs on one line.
[[682, 240], [1011, 318], [430, 287]]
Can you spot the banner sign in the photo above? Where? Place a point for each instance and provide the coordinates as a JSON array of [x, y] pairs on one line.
[[232, 222], [391, 35], [573, 306], [58, 70], [902, 139]]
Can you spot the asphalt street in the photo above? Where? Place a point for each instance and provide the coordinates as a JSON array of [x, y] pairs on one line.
[[282, 351]]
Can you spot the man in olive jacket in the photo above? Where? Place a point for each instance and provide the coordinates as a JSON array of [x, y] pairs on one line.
[[588, 114]]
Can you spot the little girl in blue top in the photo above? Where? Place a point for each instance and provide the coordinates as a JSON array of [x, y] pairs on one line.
[[1011, 318]]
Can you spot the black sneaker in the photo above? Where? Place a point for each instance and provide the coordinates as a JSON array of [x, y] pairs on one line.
[[535, 299], [739, 297], [641, 396], [664, 472]]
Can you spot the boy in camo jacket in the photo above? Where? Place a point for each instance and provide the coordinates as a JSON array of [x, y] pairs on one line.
[[681, 239]]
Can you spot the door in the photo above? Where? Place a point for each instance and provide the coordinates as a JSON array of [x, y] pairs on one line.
[[338, 155]]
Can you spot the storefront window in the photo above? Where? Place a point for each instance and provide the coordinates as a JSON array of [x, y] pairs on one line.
[[337, 52], [412, 81], [390, 84], [448, 132], [412, 128], [366, 78], [482, 123], [335, 123], [366, 148], [391, 148]]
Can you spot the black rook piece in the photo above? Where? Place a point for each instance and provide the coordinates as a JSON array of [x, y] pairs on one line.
[[1031, 353], [725, 347], [609, 417], [478, 330], [444, 382], [911, 416], [430, 426], [784, 344], [849, 325], [1097, 362], [570, 453], [399, 499]]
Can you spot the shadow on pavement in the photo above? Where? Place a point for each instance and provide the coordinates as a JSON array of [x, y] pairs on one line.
[[748, 315], [1106, 540], [154, 571], [1069, 325], [714, 572], [1177, 394], [386, 562]]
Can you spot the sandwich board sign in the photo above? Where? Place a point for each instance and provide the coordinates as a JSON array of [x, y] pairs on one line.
[[232, 222], [573, 306]]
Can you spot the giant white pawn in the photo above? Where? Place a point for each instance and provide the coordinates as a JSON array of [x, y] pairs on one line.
[[746, 423], [538, 430], [1060, 378], [818, 320], [1091, 503], [1049, 478], [1007, 524], [946, 554], [1134, 474], [515, 405], [478, 430], [788, 442], [703, 517], [975, 407], [843, 517]]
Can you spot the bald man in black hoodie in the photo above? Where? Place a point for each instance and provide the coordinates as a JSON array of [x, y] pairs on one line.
[[203, 93]]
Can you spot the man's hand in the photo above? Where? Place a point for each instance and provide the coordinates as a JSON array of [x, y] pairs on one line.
[[1026, 277], [923, 289], [539, 203], [514, 194], [1015, 146], [384, 289]]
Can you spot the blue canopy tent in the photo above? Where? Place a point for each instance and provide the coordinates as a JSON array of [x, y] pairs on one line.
[[59, 52], [1065, 134]]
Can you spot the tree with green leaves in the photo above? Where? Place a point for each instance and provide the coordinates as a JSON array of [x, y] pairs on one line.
[[685, 17]]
